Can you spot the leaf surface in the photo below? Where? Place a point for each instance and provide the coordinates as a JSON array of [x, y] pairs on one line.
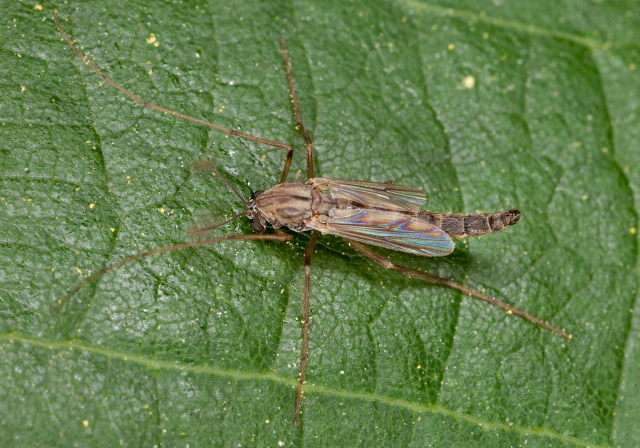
[[485, 107]]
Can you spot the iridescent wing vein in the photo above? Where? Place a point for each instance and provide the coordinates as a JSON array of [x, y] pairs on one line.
[[391, 230], [383, 196]]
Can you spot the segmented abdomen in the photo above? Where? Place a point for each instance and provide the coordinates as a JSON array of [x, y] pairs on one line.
[[458, 225]]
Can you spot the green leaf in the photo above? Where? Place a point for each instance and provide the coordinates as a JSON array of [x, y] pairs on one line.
[[486, 106]]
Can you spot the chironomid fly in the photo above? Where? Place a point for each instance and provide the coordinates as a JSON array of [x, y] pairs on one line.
[[379, 214]]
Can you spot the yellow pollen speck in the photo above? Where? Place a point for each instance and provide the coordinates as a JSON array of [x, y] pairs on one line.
[[419, 366], [152, 39], [360, 14], [576, 144], [509, 312], [469, 82], [632, 66], [267, 421], [150, 72], [112, 229], [633, 231], [79, 271], [38, 7], [91, 206], [85, 423], [485, 35], [161, 209], [585, 197], [404, 20], [19, 55], [451, 47]]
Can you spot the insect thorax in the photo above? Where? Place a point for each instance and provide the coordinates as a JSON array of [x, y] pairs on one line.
[[288, 204]]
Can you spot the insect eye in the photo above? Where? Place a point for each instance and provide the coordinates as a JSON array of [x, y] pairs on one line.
[[256, 194], [256, 225]]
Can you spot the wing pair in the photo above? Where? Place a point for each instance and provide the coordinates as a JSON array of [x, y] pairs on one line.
[[380, 217]]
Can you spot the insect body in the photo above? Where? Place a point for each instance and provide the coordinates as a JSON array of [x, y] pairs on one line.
[[380, 214]]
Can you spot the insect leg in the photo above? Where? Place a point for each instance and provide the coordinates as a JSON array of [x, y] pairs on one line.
[[84, 282], [385, 263], [296, 108], [306, 296], [137, 99]]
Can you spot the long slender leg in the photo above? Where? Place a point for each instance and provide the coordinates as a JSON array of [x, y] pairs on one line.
[[160, 108], [305, 322], [296, 108], [385, 263], [62, 302]]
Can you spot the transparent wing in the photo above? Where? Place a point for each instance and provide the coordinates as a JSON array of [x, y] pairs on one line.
[[383, 196], [392, 230]]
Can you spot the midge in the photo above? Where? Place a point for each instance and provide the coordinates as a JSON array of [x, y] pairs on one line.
[[378, 214]]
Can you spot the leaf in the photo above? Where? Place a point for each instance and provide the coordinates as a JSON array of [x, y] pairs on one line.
[[485, 107]]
